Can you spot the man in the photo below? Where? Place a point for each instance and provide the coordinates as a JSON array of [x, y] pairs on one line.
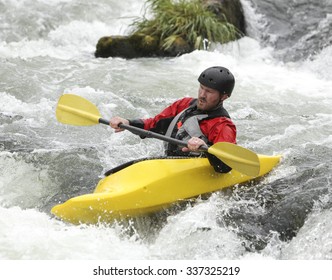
[[200, 121]]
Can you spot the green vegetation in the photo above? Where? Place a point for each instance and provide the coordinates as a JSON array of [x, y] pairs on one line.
[[186, 19]]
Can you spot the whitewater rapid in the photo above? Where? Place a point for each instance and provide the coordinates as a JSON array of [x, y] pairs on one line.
[[279, 107]]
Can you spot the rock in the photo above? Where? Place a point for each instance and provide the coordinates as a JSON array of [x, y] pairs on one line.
[[232, 9], [132, 46], [145, 45]]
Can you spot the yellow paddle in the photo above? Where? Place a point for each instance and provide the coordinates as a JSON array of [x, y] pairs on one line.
[[75, 110]]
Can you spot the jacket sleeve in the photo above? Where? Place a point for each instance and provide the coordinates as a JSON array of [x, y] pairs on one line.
[[222, 130]]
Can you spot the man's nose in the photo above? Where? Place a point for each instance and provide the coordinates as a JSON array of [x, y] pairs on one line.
[[202, 92]]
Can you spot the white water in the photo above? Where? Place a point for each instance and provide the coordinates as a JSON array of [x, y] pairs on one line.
[[46, 48]]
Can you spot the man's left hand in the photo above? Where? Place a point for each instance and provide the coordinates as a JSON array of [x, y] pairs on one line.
[[194, 144]]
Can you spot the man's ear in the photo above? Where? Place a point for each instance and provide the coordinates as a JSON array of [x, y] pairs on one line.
[[223, 97]]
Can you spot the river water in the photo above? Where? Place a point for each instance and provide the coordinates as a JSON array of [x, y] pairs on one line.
[[281, 105]]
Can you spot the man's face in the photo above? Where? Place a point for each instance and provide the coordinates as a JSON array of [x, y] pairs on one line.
[[208, 98]]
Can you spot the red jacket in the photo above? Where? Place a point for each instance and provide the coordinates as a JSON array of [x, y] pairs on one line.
[[219, 129]]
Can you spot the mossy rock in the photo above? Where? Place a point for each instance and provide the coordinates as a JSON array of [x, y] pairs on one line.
[[179, 46], [149, 39], [231, 9], [132, 46]]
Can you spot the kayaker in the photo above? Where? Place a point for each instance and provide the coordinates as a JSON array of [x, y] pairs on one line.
[[200, 121]]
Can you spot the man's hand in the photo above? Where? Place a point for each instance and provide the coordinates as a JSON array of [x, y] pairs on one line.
[[194, 144], [115, 121]]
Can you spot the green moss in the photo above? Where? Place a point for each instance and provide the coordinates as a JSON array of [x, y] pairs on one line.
[[149, 42], [104, 42], [186, 19]]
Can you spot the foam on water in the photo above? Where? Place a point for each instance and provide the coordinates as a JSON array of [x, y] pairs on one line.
[[321, 64], [22, 184], [307, 245], [195, 226], [46, 238], [62, 33], [72, 43]]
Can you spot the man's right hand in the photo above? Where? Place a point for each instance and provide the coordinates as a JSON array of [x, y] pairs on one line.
[[115, 121]]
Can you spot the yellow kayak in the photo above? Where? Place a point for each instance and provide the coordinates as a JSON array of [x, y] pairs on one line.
[[150, 185]]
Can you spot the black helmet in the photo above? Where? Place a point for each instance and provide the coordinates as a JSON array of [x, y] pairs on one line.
[[219, 78]]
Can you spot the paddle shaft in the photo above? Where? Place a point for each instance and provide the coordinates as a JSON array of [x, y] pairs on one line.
[[150, 134]]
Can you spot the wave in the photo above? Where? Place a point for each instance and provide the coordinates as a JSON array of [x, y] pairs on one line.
[[296, 30]]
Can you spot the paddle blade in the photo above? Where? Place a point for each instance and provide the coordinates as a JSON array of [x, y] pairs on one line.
[[236, 157], [75, 110]]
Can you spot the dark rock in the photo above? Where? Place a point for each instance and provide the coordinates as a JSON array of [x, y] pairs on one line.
[[231, 9], [144, 45], [127, 46]]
